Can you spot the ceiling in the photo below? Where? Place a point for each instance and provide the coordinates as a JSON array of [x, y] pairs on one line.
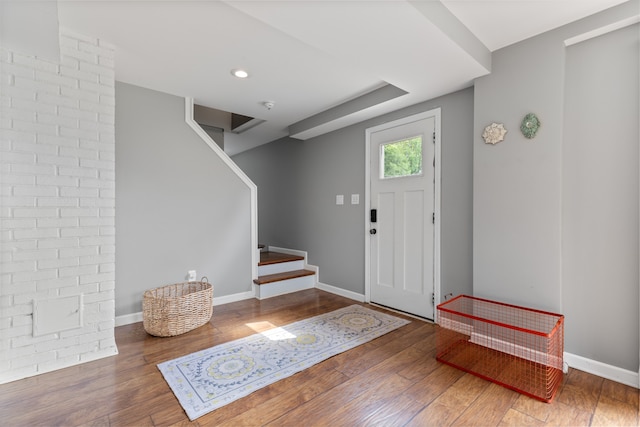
[[324, 64]]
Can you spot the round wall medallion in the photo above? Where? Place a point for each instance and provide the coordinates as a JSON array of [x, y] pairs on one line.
[[530, 125], [494, 133]]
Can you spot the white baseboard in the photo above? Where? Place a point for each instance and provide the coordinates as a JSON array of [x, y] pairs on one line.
[[603, 370], [594, 367], [233, 298], [127, 319], [339, 291], [85, 359], [288, 251], [495, 343]]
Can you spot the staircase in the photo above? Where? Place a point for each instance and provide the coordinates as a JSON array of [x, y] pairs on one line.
[[282, 271]]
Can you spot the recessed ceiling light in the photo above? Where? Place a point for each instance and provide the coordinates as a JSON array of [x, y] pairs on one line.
[[239, 73]]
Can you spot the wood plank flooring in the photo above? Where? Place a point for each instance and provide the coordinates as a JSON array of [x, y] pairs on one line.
[[391, 381]]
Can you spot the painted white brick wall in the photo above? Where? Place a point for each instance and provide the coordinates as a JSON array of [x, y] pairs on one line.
[[57, 203]]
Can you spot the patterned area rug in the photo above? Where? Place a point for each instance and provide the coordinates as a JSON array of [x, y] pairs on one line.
[[211, 378]]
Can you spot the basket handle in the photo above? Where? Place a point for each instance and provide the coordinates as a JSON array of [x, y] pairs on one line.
[[204, 279]]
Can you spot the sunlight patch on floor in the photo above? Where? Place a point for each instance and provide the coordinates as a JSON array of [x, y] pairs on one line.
[[271, 331]]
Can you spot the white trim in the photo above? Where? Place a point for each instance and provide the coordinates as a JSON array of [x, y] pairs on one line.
[[226, 299], [239, 173], [603, 370], [288, 251], [602, 30], [283, 287], [517, 350], [85, 358], [367, 222], [436, 113], [594, 367], [501, 345], [342, 292], [128, 319], [280, 267]]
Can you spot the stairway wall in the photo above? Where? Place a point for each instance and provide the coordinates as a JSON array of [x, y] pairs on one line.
[[180, 207]]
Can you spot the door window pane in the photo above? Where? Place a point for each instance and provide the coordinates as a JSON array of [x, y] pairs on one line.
[[401, 158]]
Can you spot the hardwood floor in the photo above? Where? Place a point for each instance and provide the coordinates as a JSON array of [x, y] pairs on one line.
[[391, 381]]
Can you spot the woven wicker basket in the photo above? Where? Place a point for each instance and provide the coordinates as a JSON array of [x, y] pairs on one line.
[[175, 309]]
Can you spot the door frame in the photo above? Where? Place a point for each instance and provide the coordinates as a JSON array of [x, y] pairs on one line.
[[436, 114]]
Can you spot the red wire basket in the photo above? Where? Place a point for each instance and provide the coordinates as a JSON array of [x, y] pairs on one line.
[[519, 348]]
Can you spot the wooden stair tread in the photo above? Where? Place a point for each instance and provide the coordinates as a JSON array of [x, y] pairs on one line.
[[269, 257], [270, 278]]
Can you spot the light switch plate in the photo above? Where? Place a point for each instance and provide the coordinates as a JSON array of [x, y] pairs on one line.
[[340, 199], [355, 199]]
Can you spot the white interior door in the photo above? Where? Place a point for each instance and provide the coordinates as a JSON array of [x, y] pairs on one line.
[[402, 188]]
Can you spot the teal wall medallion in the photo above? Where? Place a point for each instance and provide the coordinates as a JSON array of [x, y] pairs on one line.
[[530, 125]]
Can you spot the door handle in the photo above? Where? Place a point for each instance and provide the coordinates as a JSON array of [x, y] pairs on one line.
[[373, 231]]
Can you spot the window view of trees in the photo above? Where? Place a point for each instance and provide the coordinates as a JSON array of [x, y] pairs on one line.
[[403, 158]]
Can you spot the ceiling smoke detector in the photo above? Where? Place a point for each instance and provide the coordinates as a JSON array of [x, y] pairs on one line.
[[269, 104]]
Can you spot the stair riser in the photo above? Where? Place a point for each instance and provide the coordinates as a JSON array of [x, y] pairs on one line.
[[282, 287], [280, 267]]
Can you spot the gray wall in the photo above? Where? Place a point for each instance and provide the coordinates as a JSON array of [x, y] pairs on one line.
[[518, 245], [517, 191], [519, 197], [271, 168], [298, 181], [600, 198], [178, 207]]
